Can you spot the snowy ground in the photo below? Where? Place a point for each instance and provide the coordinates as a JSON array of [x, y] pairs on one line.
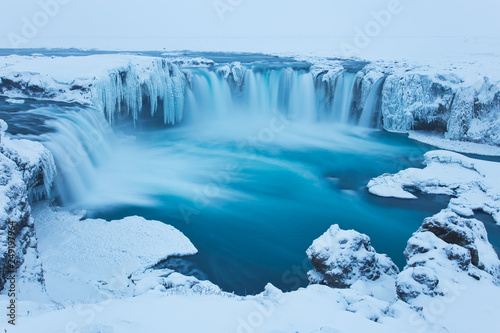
[[438, 140], [320, 28], [83, 259], [169, 302]]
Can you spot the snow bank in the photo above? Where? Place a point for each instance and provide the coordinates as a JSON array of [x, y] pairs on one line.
[[438, 140], [450, 263], [475, 184], [83, 259]]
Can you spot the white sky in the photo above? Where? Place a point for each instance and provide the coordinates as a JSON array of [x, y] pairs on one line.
[[156, 24]]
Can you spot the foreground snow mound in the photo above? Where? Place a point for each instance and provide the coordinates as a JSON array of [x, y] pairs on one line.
[[474, 184], [169, 282], [341, 258], [26, 170], [85, 259], [447, 250]]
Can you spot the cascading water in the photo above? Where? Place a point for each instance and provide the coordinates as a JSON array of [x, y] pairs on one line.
[[257, 93], [252, 191], [80, 140], [208, 93], [344, 90], [371, 116]]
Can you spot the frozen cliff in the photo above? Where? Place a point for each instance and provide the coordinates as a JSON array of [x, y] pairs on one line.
[[458, 101], [27, 172]]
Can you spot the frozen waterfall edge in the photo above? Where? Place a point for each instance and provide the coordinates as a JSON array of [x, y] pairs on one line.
[[411, 97]]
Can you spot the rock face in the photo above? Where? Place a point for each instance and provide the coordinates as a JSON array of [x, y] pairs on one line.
[[475, 113], [343, 257], [447, 247], [24, 167], [417, 101]]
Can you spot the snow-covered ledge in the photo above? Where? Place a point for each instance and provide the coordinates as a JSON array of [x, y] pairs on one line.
[[473, 183], [91, 259]]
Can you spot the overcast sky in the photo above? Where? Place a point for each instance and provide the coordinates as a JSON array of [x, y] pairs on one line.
[[82, 21]]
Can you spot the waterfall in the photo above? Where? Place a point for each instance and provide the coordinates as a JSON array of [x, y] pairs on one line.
[[342, 101], [260, 93], [80, 139], [129, 91], [200, 94], [371, 117]]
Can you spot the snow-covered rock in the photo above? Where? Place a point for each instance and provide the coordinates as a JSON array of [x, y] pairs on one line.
[[26, 171], [343, 257], [475, 113], [234, 73], [418, 101], [121, 93], [443, 254]]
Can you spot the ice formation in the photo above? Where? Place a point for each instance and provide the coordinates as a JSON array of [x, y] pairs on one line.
[[396, 96]]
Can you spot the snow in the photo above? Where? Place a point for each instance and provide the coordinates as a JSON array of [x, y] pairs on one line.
[[90, 257], [321, 27], [24, 168], [167, 301], [14, 101], [438, 140], [343, 258], [474, 183], [415, 96], [306, 310]]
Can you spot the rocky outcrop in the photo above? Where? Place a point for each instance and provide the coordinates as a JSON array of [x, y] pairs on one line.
[[418, 101], [343, 257], [446, 249], [475, 114], [25, 168]]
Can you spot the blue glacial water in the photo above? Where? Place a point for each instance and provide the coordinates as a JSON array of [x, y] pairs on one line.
[[252, 210], [250, 189], [251, 195]]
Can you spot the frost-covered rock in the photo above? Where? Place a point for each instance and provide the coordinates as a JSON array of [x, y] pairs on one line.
[[234, 73], [445, 251], [341, 258], [173, 283], [25, 167], [418, 101], [475, 114]]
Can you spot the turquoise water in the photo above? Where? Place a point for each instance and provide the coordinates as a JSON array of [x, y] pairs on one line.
[[251, 194], [253, 207]]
